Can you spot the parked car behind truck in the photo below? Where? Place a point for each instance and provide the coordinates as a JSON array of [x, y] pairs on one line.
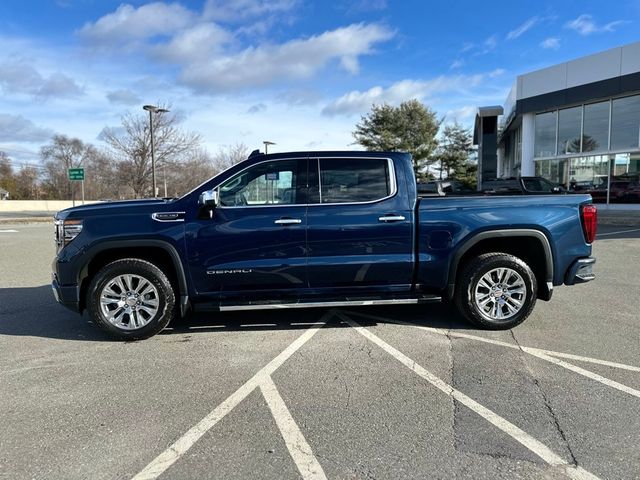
[[318, 229]]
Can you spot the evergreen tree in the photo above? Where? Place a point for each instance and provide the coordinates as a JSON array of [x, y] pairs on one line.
[[410, 127]]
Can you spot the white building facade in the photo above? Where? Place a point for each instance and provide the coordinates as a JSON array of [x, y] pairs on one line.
[[577, 124]]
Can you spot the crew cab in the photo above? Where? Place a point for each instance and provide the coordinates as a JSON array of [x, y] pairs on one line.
[[318, 229]]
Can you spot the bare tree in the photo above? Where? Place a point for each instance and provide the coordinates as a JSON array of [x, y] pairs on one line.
[[27, 186], [228, 156], [7, 177], [131, 147], [60, 155]]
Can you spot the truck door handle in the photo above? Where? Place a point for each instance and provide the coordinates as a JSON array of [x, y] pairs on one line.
[[288, 221], [391, 218]]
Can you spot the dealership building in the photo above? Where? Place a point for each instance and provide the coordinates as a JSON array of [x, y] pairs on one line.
[[576, 124]]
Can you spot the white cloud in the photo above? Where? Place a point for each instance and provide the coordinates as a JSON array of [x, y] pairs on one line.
[[462, 114], [585, 25], [526, 26], [16, 76], [356, 101], [552, 43], [16, 128], [358, 6], [257, 108], [123, 97], [457, 63], [489, 44], [234, 10], [293, 60], [195, 44], [129, 23]]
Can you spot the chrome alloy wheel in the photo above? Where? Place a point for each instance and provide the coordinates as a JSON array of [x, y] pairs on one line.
[[500, 293], [129, 302]]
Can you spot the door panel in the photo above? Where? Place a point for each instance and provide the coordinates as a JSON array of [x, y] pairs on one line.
[[256, 240], [364, 243]]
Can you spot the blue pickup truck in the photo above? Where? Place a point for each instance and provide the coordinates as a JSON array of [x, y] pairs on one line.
[[318, 229]]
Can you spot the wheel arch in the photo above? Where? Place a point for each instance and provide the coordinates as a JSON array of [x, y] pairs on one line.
[[159, 252], [535, 244]]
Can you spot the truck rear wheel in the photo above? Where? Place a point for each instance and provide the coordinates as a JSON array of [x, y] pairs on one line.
[[131, 299], [496, 291]]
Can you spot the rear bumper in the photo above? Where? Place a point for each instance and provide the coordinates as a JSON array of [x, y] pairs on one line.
[[66, 295], [581, 271]]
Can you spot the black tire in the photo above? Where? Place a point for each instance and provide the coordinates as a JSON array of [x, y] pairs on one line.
[[468, 291], [140, 269]]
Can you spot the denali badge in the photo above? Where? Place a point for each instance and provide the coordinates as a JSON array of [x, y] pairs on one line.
[[224, 272]]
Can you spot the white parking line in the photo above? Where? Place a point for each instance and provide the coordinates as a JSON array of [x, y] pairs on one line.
[[8, 231], [529, 442], [440, 331], [586, 373], [617, 233], [173, 453], [297, 445]]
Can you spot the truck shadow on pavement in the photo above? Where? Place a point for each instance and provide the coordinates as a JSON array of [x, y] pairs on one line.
[[32, 311]]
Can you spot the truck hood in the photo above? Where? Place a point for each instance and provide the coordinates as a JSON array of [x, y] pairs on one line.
[[109, 208]]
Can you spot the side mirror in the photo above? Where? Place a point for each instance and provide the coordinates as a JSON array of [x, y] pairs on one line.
[[209, 199]]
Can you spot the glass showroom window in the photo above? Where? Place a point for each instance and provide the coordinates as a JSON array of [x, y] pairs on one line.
[[595, 135], [545, 134], [625, 123], [554, 170], [569, 127]]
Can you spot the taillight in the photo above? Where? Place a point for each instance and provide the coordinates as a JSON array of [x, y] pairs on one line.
[[589, 216]]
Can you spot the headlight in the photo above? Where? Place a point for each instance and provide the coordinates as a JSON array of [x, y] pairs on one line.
[[67, 230]]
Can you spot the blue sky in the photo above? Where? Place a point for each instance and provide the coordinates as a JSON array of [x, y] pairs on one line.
[[299, 73]]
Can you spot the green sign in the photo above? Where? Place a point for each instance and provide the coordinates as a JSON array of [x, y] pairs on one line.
[[76, 173]]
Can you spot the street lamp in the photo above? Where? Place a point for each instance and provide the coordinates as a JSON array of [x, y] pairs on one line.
[[153, 109], [266, 145]]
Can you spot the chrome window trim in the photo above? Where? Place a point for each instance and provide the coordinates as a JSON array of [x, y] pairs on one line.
[[392, 178], [392, 174]]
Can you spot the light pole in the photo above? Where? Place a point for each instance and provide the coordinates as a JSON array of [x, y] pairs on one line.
[[266, 145], [153, 109]]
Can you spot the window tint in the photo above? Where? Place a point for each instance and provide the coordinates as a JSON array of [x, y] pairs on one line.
[[345, 180], [545, 135], [270, 183], [625, 122]]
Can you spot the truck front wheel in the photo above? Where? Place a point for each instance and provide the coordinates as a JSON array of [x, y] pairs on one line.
[[496, 291], [131, 299]]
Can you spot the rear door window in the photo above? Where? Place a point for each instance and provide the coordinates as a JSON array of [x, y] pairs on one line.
[[354, 180]]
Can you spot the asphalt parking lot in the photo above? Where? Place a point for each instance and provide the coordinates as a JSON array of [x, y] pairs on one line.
[[386, 393]]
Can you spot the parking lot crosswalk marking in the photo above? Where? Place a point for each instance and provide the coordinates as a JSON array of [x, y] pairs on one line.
[[529, 442], [297, 445], [173, 453], [550, 353], [581, 371]]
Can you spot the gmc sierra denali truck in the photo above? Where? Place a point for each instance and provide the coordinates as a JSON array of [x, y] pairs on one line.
[[318, 229]]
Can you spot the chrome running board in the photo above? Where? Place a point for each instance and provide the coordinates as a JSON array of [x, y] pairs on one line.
[[328, 304]]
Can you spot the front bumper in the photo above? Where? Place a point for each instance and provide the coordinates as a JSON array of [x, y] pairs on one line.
[[581, 271], [66, 295]]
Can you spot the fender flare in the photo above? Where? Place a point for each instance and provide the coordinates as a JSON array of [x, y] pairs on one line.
[[505, 233], [91, 253]]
